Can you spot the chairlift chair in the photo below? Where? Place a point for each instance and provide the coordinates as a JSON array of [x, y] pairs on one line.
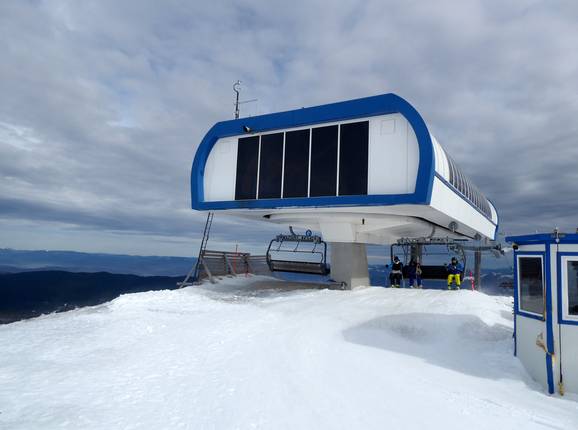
[[433, 272], [316, 265]]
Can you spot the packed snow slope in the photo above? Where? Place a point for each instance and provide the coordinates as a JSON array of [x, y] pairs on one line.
[[252, 353]]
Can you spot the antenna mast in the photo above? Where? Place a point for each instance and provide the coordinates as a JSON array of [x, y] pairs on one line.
[[236, 87]]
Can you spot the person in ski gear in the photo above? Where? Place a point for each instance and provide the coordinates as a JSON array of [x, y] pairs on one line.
[[454, 270], [396, 272], [414, 272]]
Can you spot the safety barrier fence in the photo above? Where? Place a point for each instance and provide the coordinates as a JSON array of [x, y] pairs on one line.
[[224, 263]]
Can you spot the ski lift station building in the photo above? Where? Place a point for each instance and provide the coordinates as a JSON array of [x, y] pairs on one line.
[[546, 308], [365, 171]]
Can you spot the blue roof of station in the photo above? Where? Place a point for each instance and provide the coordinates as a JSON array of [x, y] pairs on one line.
[[543, 238]]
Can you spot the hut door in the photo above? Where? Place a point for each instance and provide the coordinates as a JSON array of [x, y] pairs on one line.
[[531, 333]]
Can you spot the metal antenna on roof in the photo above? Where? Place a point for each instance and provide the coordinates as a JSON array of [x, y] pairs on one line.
[[236, 87]]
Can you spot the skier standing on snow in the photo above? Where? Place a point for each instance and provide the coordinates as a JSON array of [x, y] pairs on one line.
[[414, 273], [396, 272], [455, 270]]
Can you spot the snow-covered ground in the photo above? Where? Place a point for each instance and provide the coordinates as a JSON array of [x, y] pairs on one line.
[[249, 354]]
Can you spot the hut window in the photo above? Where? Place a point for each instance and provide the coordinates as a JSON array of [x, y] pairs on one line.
[[531, 285], [323, 161], [296, 173], [353, 158], [572, 279], [247, 165], [270, 166]]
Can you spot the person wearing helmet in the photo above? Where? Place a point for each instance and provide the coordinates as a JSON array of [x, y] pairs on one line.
[[396, 272], [454, 270]]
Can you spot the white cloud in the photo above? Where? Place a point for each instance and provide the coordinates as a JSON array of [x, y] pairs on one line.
[[103, 102]]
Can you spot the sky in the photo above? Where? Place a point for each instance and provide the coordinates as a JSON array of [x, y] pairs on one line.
[[103, 103]]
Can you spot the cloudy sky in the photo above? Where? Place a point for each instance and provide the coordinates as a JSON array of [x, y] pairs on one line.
[[103, 103]]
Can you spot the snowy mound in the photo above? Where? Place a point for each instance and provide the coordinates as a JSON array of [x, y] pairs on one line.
[[258, 353]]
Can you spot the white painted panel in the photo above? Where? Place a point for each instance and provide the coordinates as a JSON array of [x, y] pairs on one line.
[[569, 361], [568, 247], [532, 356], [220, 171], [447, 201], [494, 212], [393, 155], [532, 248], [441, 161]]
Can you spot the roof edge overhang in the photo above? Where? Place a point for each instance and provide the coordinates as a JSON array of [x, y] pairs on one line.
[[543, 238]]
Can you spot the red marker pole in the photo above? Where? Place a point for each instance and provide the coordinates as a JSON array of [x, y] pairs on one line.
[[472, 278]]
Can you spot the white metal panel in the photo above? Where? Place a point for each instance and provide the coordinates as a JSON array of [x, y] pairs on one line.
[[220, 171], [447, 201], [494, 212], [567, 247], [569, 338], [532, 248], [442, 164], [532, 356], [393, 155]]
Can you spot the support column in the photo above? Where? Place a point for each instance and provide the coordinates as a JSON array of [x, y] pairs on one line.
[[416, 252], [478, 269], [349, 264]]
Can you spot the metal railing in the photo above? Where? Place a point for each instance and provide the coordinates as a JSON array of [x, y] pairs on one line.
[[213, 264]]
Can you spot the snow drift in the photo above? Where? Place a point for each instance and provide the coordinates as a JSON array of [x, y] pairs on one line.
[[259, 353]]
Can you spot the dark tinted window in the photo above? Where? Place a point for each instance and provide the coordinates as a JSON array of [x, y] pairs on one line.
[[572, 287], [353, 153], [270, 166], [296, 163], [323, 161], [530, 284], [247, 155]]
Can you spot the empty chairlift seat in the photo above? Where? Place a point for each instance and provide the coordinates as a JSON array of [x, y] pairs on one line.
[[298, 254]]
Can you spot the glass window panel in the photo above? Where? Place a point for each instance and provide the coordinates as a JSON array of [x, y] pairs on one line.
[[530, 282], [296, 163], [270, 166], [353, 158], [572, 287], [324, 161], [247, 158]]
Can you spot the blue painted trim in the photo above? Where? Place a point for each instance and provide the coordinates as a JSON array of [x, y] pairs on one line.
[[549, 322], [336, 201], [561, 300], [529, 315], [515, 304], [359, 108], [464, 198]]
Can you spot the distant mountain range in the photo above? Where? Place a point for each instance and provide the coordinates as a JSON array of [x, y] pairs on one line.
[[37, 282], [13, 261], [30, 294]]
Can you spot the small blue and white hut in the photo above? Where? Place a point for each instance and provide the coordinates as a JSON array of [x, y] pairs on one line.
[[546, 308]]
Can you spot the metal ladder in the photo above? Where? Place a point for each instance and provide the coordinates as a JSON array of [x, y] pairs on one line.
[[193, 274]]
